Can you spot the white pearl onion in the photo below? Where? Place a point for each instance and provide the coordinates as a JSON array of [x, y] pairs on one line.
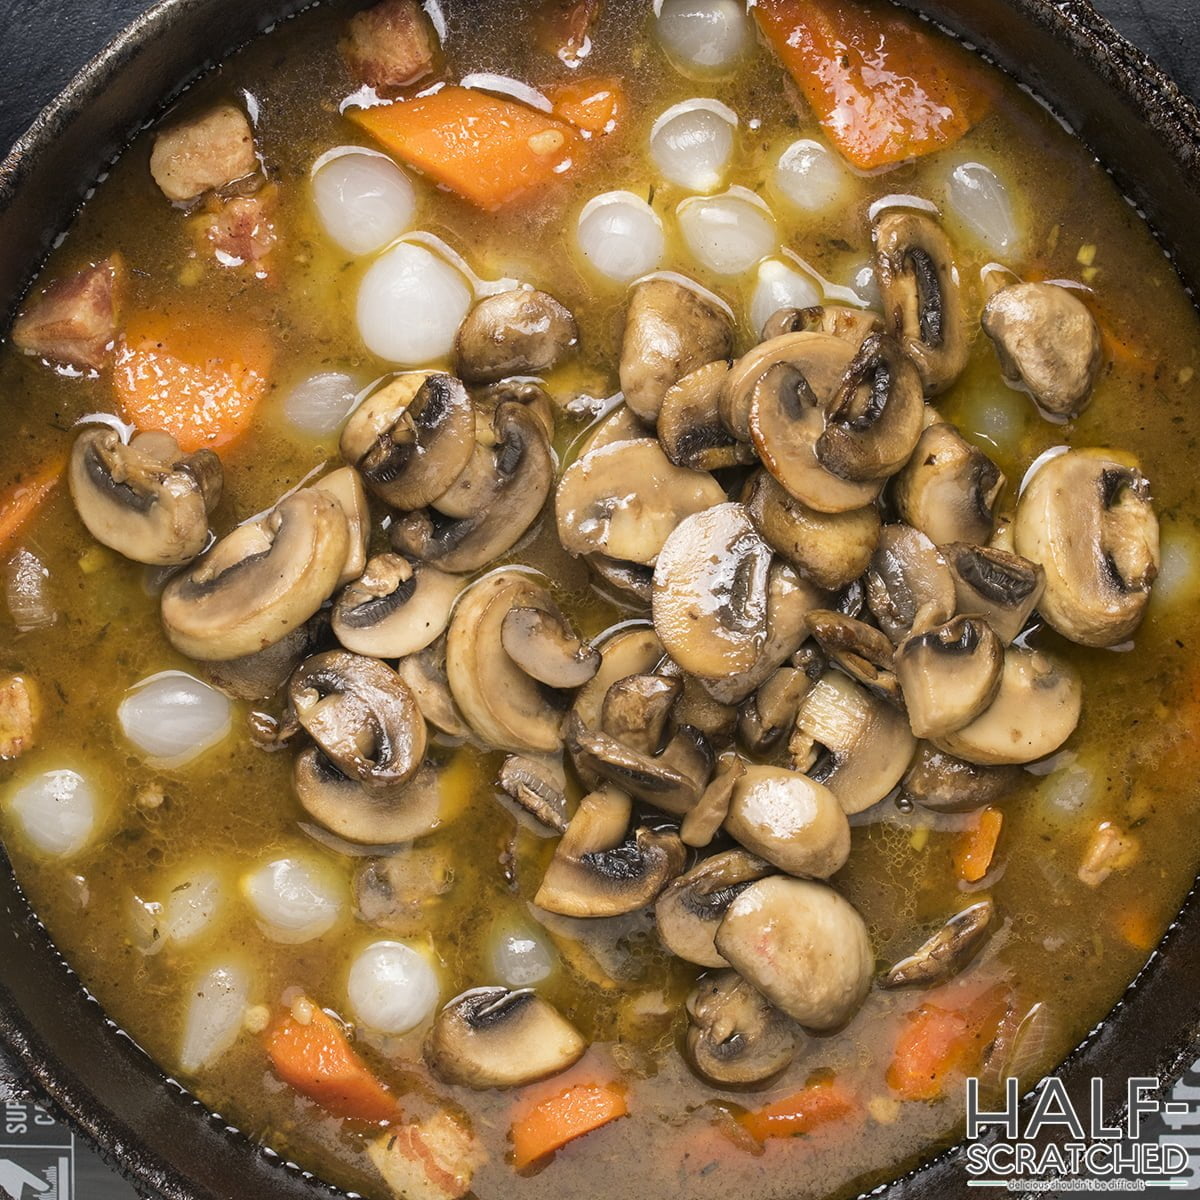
[[811, 177], [172, 717], [702, 37], [620, 235], [520, 957], [294, 900], [363, 199], [779, 286], [56, 811], [1177, 586], [692, 142], [391, 987], [190, 907], [214, 1016], [319, 404], [977, 200], [728, 233]]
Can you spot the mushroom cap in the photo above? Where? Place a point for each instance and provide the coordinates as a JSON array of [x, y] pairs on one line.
[[260, 582], [636, 709], [542, 643], [802, 946], [909, 585], [947, 950], [859, 649], [624, 499], [493, 1037], [539, 785], [689, 422], [1088, 520], [855, 325], [619, 424], [702, 821], [345, 485], [520, 332], [631, 648], [790, 820], [145, 498], [735, 1038], [939, 781], [1002, 587], [770, 712], [425, 674]]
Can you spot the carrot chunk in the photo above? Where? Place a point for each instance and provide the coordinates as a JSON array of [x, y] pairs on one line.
[[25, 497], [318, 1061], [486, 149], [884, 87], [552, 1123], [977, 847], [803, 1111], [595, 106], [195, 379]]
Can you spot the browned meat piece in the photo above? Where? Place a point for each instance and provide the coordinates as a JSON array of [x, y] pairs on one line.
[[20, 712], [203, 153], [390, 45], [75, 320], [241, 230]]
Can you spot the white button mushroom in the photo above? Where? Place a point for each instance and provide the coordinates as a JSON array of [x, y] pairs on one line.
[[391, 987], [702, 37], [364, 201], [979, 203], [319, 404], [811, 178], [620, 236], [57, 811], [172, 717], [410, 305], [213, 1021], [780, 286], [294, 899], [692, 142], [728, 233]]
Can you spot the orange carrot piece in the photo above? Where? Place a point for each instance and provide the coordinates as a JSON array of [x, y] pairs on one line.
[[595, 106], [318, 1061], [977, 847], [486, 149], [936, 1043], [803, 1111], [195, 378], [1139, 928], [884, 87], [552, 1123], [24, 498]]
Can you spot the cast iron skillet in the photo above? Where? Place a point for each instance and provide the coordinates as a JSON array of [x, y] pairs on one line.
[[162, 1139]]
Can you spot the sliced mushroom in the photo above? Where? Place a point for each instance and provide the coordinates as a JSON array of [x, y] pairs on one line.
[[346, 487], [689, 422], [1089, 522], [940, 782], [412, 438], [999, 586], [1048, 344], [425, 674], [542, 643], [362, 716], [636, 709], [949, 489], [1033, 714], [624, 499], [949, 674], [922, 295], [691, 907], [521, 332], [261, 675], [695, 707], [502, 704], [830, 549], [771, 711], [670, 330], [629, 649], [145, 498], [874, 421], [260, 582], [597, 871], [528, 392], [860, 650], [492, 1037], [735, 1038], [909, 585], [858, 745], [632, 583], [802, 946], [854, 325], [620, 424], [790, 820], [396, 891], [947, 951], [703, 821], [538, 785], [395, 608]]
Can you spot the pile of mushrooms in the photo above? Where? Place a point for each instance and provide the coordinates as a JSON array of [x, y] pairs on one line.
[[835, 603]]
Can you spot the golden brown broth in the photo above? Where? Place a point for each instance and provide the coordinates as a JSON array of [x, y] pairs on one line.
[[1059, 942]]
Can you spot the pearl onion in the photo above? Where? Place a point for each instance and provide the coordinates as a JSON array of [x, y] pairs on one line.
[[691, 143], [520, 958], [391, 987], [214, 1015], [702, 37], [620, 235], [172, 717], [979, 202], [728, 233], [56, 811], [364, 201], [779, 286], [319, 404], [812, 178], [294, 900]]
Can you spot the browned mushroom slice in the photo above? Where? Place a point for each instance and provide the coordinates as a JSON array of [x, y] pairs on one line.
[[629, 585], [620, 424], [771, 711], [1033, 714], [922, 296], [528, 392], [425, 674], [542, 643], [628, 649], [522, 332], [1001, 587], [950, 674], [940, 782], [859, 649], [492, 1037], [1048, 344], [670, 330], [735, 1037], [1088, 520], [636, 709], [909, 586], [949, 489], [854, 325], [696, 707], [690, 427], [623, 500], [145, 498], [830, 549], [790, 820], [947, 951], [538, 785], [346, 487], [854, 742], [691, 907], [702, 822]]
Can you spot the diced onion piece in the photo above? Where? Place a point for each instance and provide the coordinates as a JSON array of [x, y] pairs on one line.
[[980, 204], [702, 37], [364, 200], [190, 907], [812, 178], [692, 142], [728, 233], [780, 286], [391, 987], [410, 305], [214, 1016], [57, 811], [620, 235], [319, 404], [173, 717], [520, 958], [27, 591], [294, 900]]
